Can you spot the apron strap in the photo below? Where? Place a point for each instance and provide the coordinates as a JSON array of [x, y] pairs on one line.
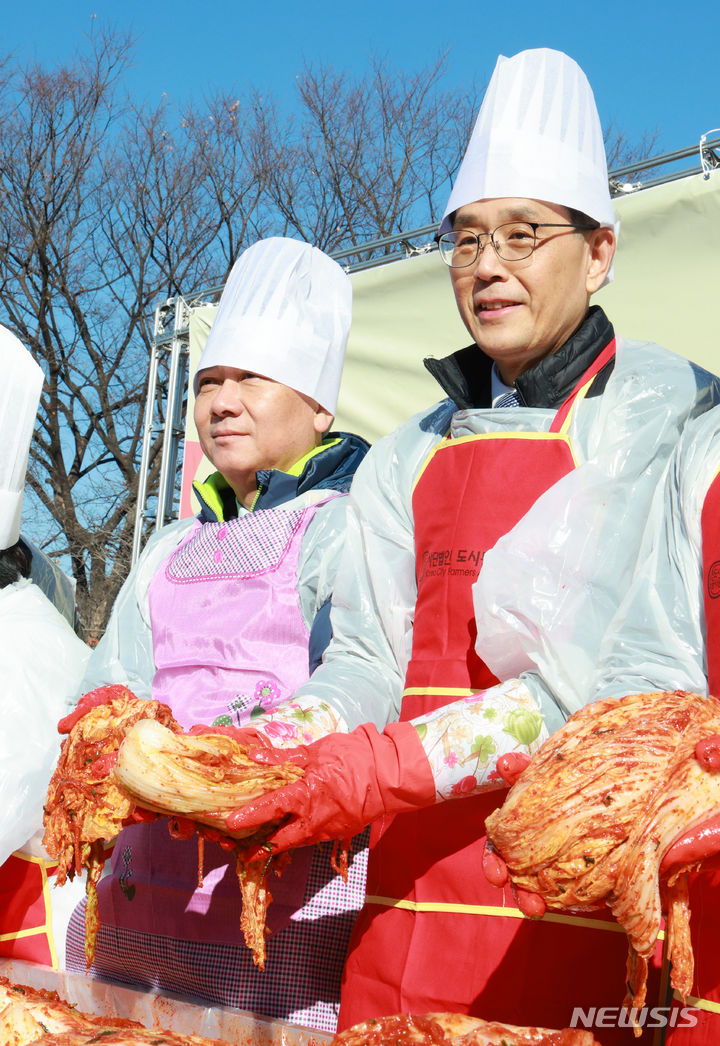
[[561, 421], [710, 531]]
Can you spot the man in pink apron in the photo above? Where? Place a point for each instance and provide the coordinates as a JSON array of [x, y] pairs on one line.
[[222, 619], [528, 489]]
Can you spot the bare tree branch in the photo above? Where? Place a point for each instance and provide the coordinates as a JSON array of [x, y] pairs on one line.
[[109, 208]]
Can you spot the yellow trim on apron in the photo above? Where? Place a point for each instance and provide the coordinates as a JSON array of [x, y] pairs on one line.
[[699, 1004], [52, 865], [522, 434], [19, 935], [449, 441], [42, 929], [495, 911], [580, 395], [446, 691]]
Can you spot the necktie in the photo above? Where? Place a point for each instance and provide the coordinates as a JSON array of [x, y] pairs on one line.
[[508, 399]]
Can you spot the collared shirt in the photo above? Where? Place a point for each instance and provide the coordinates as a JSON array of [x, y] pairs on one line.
[[498, 388]]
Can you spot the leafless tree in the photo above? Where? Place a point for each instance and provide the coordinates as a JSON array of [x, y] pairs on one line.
[[621, 150], [362, 159], [98, 221], [235, 141], [109, 208]]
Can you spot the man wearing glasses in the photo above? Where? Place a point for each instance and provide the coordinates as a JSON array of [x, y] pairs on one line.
[[490, 539], [522, 287]]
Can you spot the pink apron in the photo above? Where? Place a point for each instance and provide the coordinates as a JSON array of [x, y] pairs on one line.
[[228, 638]]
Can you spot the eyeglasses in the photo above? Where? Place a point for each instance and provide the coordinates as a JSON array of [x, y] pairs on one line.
[[512, 241]]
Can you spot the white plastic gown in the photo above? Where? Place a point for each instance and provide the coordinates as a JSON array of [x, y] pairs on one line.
[[549, 588], [125, 652], [41, 664], [657, 640]]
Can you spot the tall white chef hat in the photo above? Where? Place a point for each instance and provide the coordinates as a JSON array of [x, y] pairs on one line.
[[20, 387], [537, 136], [284, 313]]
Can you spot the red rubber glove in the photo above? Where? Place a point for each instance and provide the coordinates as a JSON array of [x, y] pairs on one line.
[[510, 766], [244, 735], [350, 781], [185, 828], [701, 843], [495, 870], [102, 695]]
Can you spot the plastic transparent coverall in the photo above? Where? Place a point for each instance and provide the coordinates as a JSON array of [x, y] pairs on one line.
[[657, 638], [41, 664], [549, 588]]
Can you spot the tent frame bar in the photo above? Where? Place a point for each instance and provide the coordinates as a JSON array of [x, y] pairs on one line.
[[172, 320]]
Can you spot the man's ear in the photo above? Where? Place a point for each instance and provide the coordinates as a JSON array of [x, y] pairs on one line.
[[323, 420], [602, 251]]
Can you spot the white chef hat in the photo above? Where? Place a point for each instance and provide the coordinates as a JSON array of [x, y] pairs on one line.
[[537, 136], [20, 387], [284, 313]]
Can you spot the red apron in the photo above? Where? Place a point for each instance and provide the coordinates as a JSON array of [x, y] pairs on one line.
[[25, 910], [434, 935], [705, 888], [710, 529]]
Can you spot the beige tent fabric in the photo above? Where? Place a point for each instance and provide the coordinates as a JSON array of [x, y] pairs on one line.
[[667, 272], [668, 268]]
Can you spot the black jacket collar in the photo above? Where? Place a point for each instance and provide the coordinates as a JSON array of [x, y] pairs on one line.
[[465, 375]]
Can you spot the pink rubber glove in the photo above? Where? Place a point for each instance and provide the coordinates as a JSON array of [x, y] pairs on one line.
[[102, 695], [701, 843], [247, 736], [350, 781]]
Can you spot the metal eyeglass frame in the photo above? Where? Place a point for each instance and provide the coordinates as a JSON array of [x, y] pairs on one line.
[[490, 238]]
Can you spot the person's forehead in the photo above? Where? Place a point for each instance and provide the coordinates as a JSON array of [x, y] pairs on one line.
[[504, 210]]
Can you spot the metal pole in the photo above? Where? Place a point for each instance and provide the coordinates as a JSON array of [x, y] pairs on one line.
[[167, 473], [178, 428], [405, 248], [141, 500]]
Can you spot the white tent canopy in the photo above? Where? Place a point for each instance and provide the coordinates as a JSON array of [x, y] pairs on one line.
[[667, 270]]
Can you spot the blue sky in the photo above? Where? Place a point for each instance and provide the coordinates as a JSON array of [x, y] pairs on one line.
[[652, 65]]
